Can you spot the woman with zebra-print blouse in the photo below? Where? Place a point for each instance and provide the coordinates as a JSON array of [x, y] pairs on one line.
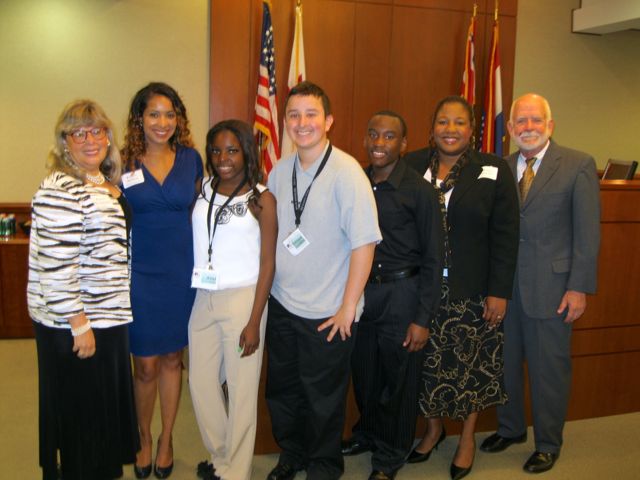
[[78, 298]]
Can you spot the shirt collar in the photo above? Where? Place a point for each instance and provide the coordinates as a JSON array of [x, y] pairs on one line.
[[394, 178], [311, 171]]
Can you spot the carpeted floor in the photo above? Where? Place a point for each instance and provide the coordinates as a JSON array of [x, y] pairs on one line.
[[603, 448]]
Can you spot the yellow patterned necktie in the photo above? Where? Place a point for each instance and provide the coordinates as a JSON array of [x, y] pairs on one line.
[[527, 178]]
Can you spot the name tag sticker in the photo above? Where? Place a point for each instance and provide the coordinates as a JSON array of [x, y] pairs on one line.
[[296, 242], [132, 178], [489, 172], [205, 278]]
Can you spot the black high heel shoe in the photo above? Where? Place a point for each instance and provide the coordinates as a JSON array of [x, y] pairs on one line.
[[142, 472], [418, 457], [163, 472], [460, 472]]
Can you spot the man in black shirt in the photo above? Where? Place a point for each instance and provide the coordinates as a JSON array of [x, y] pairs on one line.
[[401, 299]]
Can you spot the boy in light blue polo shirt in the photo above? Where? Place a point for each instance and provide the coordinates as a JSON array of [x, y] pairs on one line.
[[328, 229]]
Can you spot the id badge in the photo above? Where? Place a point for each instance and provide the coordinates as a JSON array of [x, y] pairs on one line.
[[205, 278], [296, 242], [130, 179]]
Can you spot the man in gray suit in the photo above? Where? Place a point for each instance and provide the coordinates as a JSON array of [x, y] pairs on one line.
[[557, 263]]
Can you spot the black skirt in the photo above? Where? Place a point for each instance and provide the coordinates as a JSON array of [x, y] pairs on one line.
[[462, 365], [87, 409]]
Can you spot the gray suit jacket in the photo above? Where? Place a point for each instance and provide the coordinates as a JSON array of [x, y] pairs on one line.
[[559, 230]]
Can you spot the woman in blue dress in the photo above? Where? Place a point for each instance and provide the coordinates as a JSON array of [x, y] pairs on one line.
[[163, 176]]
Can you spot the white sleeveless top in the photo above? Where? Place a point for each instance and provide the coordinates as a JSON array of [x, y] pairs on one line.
[[236, 243]]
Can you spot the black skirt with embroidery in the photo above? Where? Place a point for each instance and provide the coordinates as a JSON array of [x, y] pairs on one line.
[[462, 363]]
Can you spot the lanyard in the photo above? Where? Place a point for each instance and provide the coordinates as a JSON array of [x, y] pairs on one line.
[[298, 207], [219, 212]]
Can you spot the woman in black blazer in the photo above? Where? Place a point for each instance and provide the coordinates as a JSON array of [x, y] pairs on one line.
[[462, 369]]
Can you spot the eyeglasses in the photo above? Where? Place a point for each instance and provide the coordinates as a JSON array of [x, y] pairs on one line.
[[80, 136]]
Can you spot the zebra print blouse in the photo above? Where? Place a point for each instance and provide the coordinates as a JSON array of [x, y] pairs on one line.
[[77, 255]]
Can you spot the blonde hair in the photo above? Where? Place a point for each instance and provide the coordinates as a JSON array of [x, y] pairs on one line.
[[83, 113]]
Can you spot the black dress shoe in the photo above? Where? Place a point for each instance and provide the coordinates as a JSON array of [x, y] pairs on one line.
[[355, 447], [497, 443], [458, 472], [163, 472], [540, 462], [142, 472], [416, 457], [282, 471], [206, 471], [380, 475]]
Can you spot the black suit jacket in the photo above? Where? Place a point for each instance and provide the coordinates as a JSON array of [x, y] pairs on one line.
[[483, 217]]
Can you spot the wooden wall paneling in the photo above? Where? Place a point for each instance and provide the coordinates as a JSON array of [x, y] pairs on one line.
[[454, 5], [605, 385], [427, 59], [598, 341], [507, 7], [229, 66], [329, 40], [372, 76]]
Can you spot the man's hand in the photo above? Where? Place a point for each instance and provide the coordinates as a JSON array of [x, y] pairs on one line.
[[576, 302], [416, 338], [340, 322]]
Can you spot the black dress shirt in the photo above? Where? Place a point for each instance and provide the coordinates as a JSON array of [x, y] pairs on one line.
[[410, 222]]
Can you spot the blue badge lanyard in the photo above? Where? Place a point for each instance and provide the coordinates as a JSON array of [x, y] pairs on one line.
[[298, 207], [219, 212]]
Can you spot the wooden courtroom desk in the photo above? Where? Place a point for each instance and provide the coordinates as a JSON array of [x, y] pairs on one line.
[[605, 344], [14, 257]]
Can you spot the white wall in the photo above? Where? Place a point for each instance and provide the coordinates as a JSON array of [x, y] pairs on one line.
[[54, 51], [592, 82]]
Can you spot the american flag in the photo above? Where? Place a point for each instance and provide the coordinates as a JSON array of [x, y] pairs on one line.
[[296, 72], [492, 130], [468, 91], [265, 124]]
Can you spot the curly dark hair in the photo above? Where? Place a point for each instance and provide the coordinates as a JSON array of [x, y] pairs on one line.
[[244, 134], [134, 142]]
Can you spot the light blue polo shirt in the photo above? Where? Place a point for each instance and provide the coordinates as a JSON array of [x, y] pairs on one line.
[[340, 215]]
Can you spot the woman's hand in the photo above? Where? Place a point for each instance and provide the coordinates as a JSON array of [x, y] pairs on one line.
[[85, 345], [494, 310], [249, 339]]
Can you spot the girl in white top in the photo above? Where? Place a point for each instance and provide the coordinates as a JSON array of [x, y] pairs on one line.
[[234, 234]]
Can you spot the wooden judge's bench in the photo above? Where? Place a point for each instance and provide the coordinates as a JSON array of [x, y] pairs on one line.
[[605, 345]]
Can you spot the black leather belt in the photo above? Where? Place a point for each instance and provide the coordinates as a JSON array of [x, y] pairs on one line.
[[387, 277]]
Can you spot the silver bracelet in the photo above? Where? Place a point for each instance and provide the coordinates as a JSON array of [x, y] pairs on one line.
[[76, 332]]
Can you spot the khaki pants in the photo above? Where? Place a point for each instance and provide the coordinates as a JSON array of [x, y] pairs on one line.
[[217, 320]]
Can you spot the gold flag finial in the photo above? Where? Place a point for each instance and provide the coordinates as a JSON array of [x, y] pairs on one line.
[[495, 11]]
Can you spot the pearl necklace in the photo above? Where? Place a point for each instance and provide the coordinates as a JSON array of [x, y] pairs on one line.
[[96, 179]]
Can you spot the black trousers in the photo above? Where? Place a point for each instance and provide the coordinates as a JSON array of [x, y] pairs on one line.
[[307, 380], [385, 375]]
